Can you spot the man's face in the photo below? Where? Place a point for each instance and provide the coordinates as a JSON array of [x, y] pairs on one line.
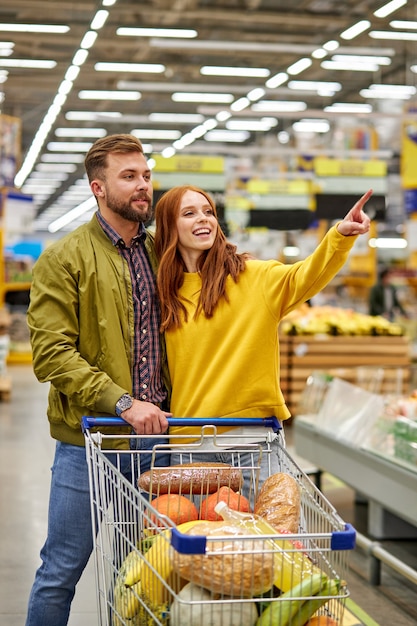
[[127, 187]]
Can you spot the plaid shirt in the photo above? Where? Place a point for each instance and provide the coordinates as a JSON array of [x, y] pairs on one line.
[[147, 383]]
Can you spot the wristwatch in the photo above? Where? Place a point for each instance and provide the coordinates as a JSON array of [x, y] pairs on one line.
[[124, 402]]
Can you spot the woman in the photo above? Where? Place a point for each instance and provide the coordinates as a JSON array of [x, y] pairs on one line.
[[220, 311]]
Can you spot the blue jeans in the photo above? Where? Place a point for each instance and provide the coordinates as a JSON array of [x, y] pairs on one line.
[[69, 542]]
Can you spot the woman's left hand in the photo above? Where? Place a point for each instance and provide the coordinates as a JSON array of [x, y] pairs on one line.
[[356, 222]]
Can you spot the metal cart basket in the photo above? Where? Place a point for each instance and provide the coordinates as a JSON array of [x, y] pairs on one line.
[[238, 571]]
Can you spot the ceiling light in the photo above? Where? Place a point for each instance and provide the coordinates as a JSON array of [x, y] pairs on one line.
[[362, 58], [56, 167], [88, 40], [356, 29], [80, 132], [388, 34], [251, 125], [70, 146], [72, 215], [147, 68], [283, 137], [233, 136], [34, 28], [277, 80], [240, 104], [256, 94], [350, 66], [311, 126], [80, 57], [281, 106], [331, 45], [299, 66], [319, 53], [405, 24], [348, 107], [315, 85], [89, 94], [168, 152], [389, 92], [157, 32], [182, 118], [250, 72], [222, 98], [149, 133], [222, 116], [39, 176], [99, 20], [91, 116], [393, 243], [63, 158], [28, 63], [389, 8]]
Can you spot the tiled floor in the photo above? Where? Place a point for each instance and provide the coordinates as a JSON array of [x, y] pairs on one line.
[[25, 457]]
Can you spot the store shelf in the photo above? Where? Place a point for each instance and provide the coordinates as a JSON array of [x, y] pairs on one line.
[[390, 488]]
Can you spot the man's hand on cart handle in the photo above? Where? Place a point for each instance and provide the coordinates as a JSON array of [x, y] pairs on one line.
[[146, 418]]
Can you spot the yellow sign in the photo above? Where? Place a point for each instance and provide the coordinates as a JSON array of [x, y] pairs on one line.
[[349, 167], [408, 166], [279, 187], [189, 163]]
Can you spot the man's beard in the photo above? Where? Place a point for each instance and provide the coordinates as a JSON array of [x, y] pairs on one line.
[[128, 212]]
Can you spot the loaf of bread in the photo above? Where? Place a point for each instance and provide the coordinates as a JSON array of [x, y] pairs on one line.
[[278, 502], [191, 478], [231, 566]]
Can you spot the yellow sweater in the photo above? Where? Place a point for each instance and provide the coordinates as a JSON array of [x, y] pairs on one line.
[[228, 366]]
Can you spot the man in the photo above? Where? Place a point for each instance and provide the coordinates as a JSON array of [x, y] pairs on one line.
[[94, 321], [383, 298]]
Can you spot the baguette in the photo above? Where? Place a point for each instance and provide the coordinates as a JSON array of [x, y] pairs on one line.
[[278, 502], [191, 478]]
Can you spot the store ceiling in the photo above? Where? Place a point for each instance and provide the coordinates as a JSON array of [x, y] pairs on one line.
[[269, 34]]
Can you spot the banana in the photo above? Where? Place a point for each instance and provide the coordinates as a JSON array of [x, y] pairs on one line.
[[131, 568], [308, 608], [283, 610]]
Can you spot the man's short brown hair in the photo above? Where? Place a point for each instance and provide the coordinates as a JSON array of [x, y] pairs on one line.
[[95, 161]]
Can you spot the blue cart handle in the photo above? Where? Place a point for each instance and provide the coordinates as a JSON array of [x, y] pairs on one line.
[[269, 422]]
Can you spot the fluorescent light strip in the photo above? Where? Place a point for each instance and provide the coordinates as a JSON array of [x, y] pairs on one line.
[[404, 24], [362, 58], [80, 132], [348, 107], [222, 98], [34, 28], [184, 118], [233, 136], [28, 63], [92, 116], [389, 8], [157, 32], [250, 72], [314, 85], [277, 80], [393, 243], [62, 158], [150, 133], [99, 20], [280, 106], [251, 125], [147, 68], [69, 217], [299, 66], [397, 36], [349, 66], [56, 167], [70, 146], [90, 94], [355, 30], [311, 126]]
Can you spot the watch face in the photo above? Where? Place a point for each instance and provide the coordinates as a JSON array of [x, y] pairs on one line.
[[124, 403]]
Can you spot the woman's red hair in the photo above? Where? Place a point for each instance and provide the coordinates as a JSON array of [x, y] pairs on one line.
[[214, 265]]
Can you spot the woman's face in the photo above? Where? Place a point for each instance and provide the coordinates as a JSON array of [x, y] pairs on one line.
[[197, 227]]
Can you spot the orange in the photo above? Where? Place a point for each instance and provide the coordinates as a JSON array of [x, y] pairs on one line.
[[234, 501], [322, 620], [178, 508]]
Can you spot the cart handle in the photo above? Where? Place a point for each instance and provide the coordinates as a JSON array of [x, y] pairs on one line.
[[273, 422]]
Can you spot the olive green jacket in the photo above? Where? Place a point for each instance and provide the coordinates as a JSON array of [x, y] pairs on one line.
[[81, 325]]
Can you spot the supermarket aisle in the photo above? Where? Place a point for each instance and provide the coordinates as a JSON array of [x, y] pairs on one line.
[[26, 452]]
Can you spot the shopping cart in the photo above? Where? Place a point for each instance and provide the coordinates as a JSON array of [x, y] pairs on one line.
[[235, 572]]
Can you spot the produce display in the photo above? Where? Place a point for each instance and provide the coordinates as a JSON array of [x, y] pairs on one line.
[[253, 571], [328, 320]]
